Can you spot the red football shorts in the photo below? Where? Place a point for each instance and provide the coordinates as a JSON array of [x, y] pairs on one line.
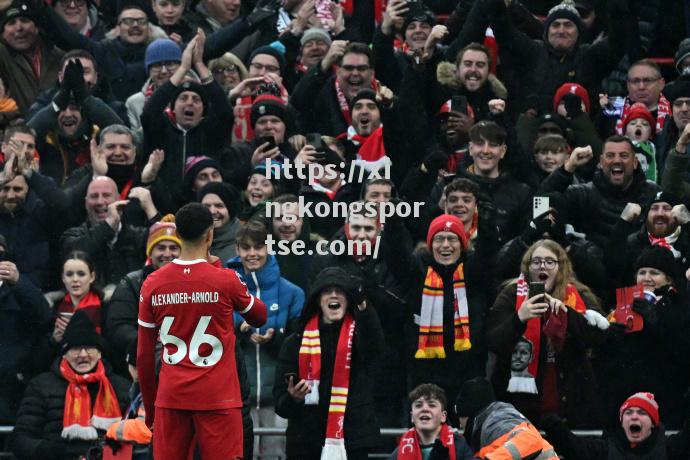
[[217, 433]]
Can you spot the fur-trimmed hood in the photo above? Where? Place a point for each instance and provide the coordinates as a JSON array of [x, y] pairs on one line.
[[446, 76]]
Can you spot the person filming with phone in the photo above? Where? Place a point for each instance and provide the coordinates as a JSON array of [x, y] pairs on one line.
[[550, 319]]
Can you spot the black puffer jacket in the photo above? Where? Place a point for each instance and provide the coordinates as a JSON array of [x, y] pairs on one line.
[[39, 421], [594, 207], [306, 430]]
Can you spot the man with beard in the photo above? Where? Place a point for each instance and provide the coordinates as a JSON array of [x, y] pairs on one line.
[[115, 246], [65, 127], [639, 435], [30, 62], [414, 22], [594, 207], [31, 207], [323, 95], [664, 220]]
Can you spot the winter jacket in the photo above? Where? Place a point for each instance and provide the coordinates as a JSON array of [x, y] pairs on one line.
[[438, 452], [512, 199], [39, 421], [161, 132], [411, 269], [329, 224], [101, 91], [18, 74], [675, 175], [542, 70], [576, 383], [616, 446], [24, 315], [385, 294], [135, 107], [33, 226], [58, 154], [500, 430], [594, 207], [284, 302], [113, 261], [306, 429], [315, 99], [652, 360]]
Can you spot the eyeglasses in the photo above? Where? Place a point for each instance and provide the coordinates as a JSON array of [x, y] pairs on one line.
[[170, 66], [228, 69], [352, 68], [75, 351], [269, 68], [548, 262], [452, 239], [77, 3], [647, 81], [131, 21]]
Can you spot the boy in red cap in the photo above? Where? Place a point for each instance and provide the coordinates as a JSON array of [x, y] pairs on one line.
[[638, 126]]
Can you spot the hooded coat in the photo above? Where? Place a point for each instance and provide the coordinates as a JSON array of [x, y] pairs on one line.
[[307, 423]]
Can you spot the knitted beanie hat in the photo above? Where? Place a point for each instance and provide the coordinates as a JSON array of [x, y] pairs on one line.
[[162, 50], [271, 51], [268, 104], [564, 10], [446, 223], [474, 396], [315, 33], [638, 110], [195, 164], [573, 88], [644, 401], [164, 230], [682, 53], [80, 332]]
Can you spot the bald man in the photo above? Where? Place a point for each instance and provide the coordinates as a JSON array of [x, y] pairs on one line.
[[116, 247]]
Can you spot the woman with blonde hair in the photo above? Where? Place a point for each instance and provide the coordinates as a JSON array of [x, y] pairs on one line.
[[228, 71], [560, 324]]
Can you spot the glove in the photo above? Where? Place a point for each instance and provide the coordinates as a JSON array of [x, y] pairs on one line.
[[264, 9], [439, 451], [596, 319], [573, 105], [61, 99], [485, 207], [647, 311], [434, 161], [79, 89], [550, 420], [536, 228], [615, 334]]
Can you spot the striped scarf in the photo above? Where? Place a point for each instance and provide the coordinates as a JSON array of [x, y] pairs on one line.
[[410, 449], [431, 324], [663, 110], [310, 370], [533, 332]]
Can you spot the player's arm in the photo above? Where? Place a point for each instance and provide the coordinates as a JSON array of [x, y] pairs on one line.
[[253, 310], [146, 356]]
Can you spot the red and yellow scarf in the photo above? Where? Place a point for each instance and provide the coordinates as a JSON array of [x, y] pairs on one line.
[[533, 333], [431, 321], [310, 370], [78, 421], [409, 448]]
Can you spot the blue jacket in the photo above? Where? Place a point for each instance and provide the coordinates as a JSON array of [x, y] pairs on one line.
[[284, 302]]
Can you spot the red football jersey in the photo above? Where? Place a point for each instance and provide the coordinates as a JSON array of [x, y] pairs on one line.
[[192, 304]]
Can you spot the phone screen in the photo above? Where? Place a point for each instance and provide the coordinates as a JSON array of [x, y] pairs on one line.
[[536, 288]]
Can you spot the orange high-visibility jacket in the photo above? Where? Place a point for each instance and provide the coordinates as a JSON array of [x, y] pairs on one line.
[[507, 435]]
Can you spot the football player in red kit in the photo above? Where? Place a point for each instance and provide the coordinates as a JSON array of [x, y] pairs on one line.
[[197, 394]]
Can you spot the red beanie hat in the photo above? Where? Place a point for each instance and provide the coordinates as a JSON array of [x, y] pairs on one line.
[[574, 88], [638, 110], [644, 401], [447, 223]]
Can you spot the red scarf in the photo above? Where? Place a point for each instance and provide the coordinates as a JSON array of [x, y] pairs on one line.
[[379, 7], [666, 241], [342, 100], [91, 303], [310, 370], [663, 110], [78, 422], [371, 147], [409, 448], [554, 328]]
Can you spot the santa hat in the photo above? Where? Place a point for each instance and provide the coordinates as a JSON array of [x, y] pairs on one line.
[[446, 223], [572, 88], [638, 110], [644, 401], [163, 230]]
